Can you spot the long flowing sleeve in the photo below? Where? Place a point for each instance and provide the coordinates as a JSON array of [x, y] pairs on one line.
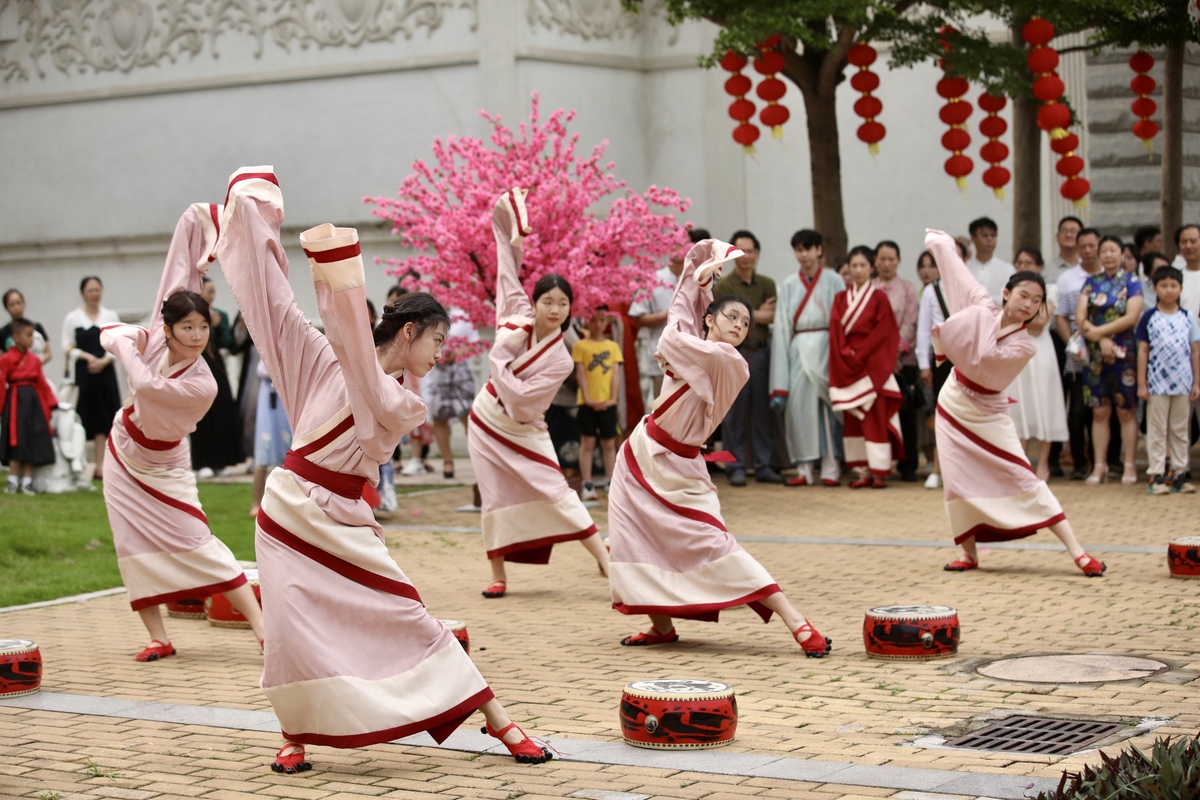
[[511, 300], [925, 327], [959, 286], [187, 261], [383, 409]]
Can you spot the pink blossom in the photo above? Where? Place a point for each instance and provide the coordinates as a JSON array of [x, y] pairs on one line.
[[444, 211]]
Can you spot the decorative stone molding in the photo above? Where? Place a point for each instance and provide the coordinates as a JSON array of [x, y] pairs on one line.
[[589, 19], [81, 36]]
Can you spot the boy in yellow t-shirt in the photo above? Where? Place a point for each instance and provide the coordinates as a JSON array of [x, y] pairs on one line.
[[596, 359]]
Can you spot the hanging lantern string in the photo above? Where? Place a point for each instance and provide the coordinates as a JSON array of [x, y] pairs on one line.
[[1054, 117], [741, 110], [769, 63], [994, 151], [862, 55], [1143, 107]]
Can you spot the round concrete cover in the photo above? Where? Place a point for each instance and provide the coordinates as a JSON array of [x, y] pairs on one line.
[[1072, 668]]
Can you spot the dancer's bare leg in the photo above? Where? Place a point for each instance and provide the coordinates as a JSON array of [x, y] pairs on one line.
[[970, 550], [153, 620], [243, 600], [498, 572], [1042, 468], [595, 545], [1066, 535], [788, 614]]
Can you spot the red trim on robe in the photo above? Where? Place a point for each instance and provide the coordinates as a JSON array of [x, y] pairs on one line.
[[691, 513], [537, 551], [269, 177], [216, 221], [532, 456], [972, 385], [334, 563], [352, 487], [439, 727], [157, 495], [808, 293], [671, 443], [336, 254], [707, 612], [140, 437], [670, 401], [983, 532], [539, 353], [983, 443], [183, 594], [338, 430], [11, 375]]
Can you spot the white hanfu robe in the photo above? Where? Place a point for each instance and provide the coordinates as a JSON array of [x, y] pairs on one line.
[[991, 491], [800, 363], [671, 552], [526, 502], [165, 550], [352, 657]]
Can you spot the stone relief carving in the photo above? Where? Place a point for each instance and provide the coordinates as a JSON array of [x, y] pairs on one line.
[[78, 36], [593, 19]]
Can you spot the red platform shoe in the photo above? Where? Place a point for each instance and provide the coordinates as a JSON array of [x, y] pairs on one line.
[[526, 751], [816, 645], [155, 650], [653, 637], [1092, 567], [962, 565], [291, 762]]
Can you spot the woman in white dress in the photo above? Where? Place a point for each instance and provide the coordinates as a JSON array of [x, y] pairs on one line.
[[1040, 412]]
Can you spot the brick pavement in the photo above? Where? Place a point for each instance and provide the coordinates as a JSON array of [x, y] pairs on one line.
[[550, 651]]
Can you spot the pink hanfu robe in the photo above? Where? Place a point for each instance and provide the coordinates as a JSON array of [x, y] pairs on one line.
[[527, 505], [671, 552], [863, 342], [990, 487], [352, 657], [165, 550]]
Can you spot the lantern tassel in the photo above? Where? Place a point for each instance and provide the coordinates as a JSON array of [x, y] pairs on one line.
[[777, 132], [999, 192], [873, 147], [1059, 133], [962, 183], [1149, 145]]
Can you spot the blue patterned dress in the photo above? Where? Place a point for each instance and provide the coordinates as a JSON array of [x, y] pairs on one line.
[[1112, 384]]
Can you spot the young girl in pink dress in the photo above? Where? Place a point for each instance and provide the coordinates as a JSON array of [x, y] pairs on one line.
[[527, 505], [165, 550], [671, 553], [992, 493], [352, 656]]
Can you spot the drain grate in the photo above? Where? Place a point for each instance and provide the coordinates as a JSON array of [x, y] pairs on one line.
[[1040, 735]]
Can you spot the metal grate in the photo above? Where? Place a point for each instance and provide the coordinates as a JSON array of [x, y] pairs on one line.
[[1041, 735]]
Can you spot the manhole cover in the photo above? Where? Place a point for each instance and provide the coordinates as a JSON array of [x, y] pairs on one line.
[[1093, 668], [1041, 735]]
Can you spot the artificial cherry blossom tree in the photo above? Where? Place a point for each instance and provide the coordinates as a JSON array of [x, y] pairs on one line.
[[444, 212]]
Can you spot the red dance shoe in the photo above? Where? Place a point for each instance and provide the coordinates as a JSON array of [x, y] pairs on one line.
[[291, 762], [495, 589], [653, 637], [526, 751], [962, 565], [816, 645], [155, 650], [799, 480], [1092, 567]]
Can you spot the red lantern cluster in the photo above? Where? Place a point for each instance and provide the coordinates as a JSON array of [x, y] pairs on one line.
[[862, 55], [955, 113], [741, 109], [1070, 166], [994, 151], [769, 63], [1053, 117], [1142, 85]]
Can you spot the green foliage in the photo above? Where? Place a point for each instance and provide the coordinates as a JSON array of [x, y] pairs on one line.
[[1171, 772]]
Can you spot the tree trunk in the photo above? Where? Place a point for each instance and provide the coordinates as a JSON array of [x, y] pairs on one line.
[[1171, 204], [1027, 166], [825, 159]]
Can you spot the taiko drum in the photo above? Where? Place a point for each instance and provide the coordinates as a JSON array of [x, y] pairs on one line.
[[20, 667], [678, 714], [188, 607], [911, 632], [220, 611], [459, 629], [1183, 557]]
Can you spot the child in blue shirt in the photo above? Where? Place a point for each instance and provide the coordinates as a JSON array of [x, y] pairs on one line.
[[1168, 377]]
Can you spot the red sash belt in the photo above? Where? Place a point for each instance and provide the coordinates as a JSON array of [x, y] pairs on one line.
[[142, 439], [666, 440], [972, 385], [349, 486]]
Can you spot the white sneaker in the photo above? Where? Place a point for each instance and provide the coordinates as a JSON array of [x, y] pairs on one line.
[[204, 473], [413, 468], [589, 491], [934, 481]]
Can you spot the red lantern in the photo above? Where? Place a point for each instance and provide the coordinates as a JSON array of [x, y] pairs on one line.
[[1065, 145], [1075, 190], [1142, 85], [862, 55], [1038, 32], [955, 114], [1053, 117], [994, 151], [769, 62], [1070, 166], [741, 110]]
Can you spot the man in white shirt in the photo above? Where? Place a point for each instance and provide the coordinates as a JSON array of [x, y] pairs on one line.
[[1068, 250], [1079, 416], [993, 273], [1187, 242]]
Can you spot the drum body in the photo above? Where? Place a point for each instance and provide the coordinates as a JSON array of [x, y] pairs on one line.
[[459, 629], [20, 667], [677, 714], [220, 611], [911, 632], [188, 607], [1183, 557]]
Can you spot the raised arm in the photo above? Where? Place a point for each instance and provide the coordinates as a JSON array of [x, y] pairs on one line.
[[383, 409], [188, 258], [958, 284], [510, 224]]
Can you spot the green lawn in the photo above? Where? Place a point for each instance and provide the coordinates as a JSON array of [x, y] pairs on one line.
[[58, 545]]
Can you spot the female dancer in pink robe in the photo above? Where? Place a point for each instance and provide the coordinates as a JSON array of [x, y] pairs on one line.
[[352, 656], [863, 342], [992, 493], [165, 550], [527, 505], [671, 553]]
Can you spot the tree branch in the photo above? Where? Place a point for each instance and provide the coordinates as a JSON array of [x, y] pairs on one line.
[[482, 280], [1079, 48], [835, 59]]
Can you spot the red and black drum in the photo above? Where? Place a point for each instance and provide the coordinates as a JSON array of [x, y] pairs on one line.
[[678, 714], [220, 611], [911, 632], [187, 607], [20, 667], [1183, 557], [459, 629]]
